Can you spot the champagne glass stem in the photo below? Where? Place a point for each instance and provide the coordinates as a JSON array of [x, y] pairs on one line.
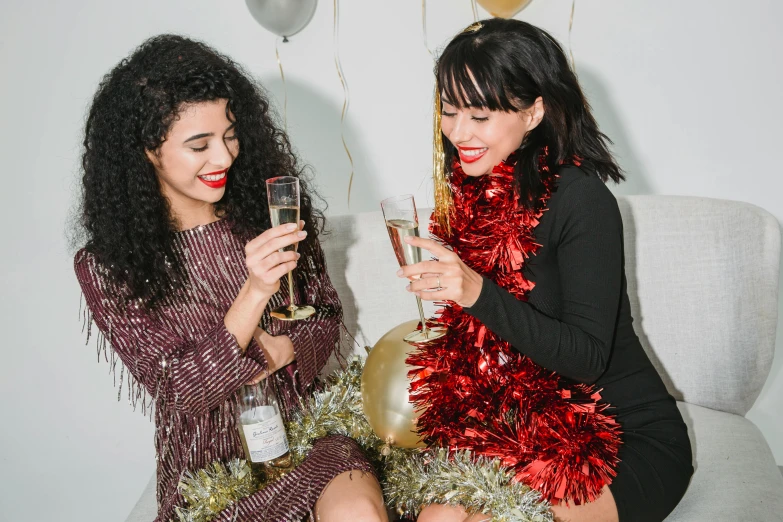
[[421, 315], [292, 304]]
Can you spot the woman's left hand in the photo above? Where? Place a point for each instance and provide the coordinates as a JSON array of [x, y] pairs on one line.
[[447, 279], [278, 351]]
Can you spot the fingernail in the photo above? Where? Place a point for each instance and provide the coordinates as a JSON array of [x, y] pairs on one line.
[[298, 255], [408, 288], [291, 226], [399, 272], [302, 233], [408, 239]]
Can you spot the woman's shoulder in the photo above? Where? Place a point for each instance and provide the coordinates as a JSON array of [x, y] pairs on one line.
[[584, 176], [82, 256], [83, 261], [89, 271], [581, 197], [578, 185]]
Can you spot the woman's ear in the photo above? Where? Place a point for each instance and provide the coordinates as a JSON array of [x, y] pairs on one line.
[[535, 113], [153, 158]]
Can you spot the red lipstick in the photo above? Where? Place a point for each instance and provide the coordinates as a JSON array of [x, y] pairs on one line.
[[218, 183], [472, 158]]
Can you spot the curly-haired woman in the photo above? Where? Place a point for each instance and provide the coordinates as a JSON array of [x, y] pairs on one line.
[[180, 266]]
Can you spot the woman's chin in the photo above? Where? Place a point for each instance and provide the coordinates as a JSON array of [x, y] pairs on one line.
[[212, 195], [474, 170]]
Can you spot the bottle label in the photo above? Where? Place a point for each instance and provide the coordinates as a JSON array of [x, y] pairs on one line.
[[264, 433]]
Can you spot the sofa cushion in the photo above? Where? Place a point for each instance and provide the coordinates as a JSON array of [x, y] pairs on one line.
[[702, 280], [703, 284], [736, 477]]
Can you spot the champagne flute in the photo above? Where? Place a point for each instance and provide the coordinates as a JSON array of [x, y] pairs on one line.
[[402, 221], [283, 194]]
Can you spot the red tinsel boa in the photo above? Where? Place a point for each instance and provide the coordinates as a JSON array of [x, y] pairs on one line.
[[476, 391]]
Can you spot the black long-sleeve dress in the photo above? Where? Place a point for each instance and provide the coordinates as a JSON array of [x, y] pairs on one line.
[[577, 322]]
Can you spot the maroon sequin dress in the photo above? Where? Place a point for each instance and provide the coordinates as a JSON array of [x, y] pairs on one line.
[[189, 367]]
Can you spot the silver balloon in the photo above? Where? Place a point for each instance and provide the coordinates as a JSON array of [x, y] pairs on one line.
[[282, 17]]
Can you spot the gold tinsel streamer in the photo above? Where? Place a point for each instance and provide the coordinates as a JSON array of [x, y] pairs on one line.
[[410, 477], [443, 201], [424, 27], [570, 27], [346, 94], [285, 89], [441, 185], [443, 198]]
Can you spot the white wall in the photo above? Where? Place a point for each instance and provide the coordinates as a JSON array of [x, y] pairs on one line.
[[689, 91]]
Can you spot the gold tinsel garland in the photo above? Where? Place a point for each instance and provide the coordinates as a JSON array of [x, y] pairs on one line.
[[410, 477], [209, 491]]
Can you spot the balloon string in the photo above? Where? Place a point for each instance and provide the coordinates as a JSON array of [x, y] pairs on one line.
[[475, 10], [285, 89], [346, 96], [424, 27], [570, 27]]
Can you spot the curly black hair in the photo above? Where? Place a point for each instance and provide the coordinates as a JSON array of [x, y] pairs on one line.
[[126, 222]]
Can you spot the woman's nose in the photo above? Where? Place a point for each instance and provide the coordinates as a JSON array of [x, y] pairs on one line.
[[223, 156], [460, 133]]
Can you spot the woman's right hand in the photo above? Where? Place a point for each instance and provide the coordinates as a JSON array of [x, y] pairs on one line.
[[266, 264]]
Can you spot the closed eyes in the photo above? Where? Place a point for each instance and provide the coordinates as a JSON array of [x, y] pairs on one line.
[[206, 146]]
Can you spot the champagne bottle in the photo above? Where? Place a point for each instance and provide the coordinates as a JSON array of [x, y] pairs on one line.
[[262, 431]]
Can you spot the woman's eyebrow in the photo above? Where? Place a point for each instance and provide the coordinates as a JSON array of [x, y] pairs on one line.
[[207, 134], [199, 136]]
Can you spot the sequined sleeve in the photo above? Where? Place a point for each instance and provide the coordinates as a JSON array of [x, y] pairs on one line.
[[189, 376]]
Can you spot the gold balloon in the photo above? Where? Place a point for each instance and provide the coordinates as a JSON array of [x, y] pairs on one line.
[[504, 8], [385, 387]]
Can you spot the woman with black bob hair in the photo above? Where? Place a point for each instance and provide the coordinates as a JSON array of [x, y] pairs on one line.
[[180, 269], [530, 258]]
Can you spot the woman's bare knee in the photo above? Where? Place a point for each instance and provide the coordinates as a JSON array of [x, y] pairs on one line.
[[447, 513], [353, 495], [603, 509]]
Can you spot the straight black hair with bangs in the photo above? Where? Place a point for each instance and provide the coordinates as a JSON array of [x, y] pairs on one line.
[[505, 65]]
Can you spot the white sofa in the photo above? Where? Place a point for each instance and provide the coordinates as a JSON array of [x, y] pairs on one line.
[[703, 283]]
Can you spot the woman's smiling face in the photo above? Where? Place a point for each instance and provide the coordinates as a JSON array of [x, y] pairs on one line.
[[192, 163], [484, 138]]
